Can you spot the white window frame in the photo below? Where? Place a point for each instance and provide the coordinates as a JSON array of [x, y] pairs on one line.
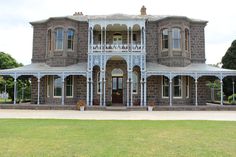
[[162, 87], [54, 88], [72, 86], [181, 87], [56, 39], [136, 75], [48, 86], [176, 36]]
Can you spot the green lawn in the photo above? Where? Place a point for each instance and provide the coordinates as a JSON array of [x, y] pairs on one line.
[[71, 138]]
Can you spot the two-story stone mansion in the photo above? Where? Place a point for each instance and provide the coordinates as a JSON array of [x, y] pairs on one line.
[[119, 59]]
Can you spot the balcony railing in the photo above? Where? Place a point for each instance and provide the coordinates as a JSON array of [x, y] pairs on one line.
[[117, 48]]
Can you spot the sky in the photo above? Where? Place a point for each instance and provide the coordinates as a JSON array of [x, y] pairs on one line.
[[16, 34]]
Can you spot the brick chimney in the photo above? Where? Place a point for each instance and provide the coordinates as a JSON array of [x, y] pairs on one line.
[[143, 10]]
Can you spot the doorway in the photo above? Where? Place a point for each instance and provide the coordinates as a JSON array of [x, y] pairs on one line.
[[117, 86], [117, 40]]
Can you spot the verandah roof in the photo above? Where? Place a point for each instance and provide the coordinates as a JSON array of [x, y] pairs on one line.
[[41, 69], [195, 70]]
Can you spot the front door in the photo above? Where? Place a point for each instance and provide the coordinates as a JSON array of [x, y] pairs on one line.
[[117, 89]]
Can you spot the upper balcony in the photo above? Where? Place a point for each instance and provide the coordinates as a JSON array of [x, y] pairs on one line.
[[116, 38]]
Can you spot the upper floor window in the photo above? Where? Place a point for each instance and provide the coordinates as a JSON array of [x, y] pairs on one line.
[[50, 40], [70, 39], [176, 38], [165, 37], [59, 37], [186, 39]]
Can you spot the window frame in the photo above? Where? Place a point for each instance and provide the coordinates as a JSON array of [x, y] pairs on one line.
[[71, 40], [56, 96], [180, 85], [49, 42], [48, 86], [164, 40], [165, 86], [176, 38], [137, 80], [186, 41], [72, 86], [98, 83], [59, 38]]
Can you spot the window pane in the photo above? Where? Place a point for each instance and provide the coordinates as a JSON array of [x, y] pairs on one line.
[[165, 39], [135, 82], [59, 38], [176, 38], [57, 86], [70, 39], [114, 83], [165, 87], [69, 86], [120, 83]]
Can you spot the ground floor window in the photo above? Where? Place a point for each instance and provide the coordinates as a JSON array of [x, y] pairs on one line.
[[98, 83], [135, 83], [187, 87], [69, 86], [48, 86], [57, 86], [165, 87], [177, 86]]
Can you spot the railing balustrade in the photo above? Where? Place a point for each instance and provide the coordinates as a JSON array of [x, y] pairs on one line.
[[117, 48]]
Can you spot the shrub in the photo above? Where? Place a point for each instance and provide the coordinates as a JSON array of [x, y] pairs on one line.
[[230, 99]]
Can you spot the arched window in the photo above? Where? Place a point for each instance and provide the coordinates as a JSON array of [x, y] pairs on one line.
[[165, 37], [186, 39], [70, 39], [176, 38], [135, 83], [59, 37], [49, 39]]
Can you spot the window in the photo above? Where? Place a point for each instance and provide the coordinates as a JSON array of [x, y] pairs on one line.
[[165, 87], [69, 86], [48, 86], [187, 87], [59, 36], [176, 38], [57, 85], [70, 39], [135, 83], [177, 85], [165, 39], [49, 40], [186, 39], [98, 83], [134, 38]]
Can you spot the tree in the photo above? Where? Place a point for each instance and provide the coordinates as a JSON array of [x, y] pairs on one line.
[[7, 62], [229, 62]]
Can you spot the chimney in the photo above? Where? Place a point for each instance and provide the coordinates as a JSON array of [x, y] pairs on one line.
[[143, 10]]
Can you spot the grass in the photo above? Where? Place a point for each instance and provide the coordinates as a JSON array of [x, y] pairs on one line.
[[84, 138]]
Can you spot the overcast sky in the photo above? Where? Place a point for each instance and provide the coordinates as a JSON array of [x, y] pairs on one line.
[[16, 32]]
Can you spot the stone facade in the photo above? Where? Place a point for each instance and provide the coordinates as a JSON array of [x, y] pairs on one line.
[[195, 53]]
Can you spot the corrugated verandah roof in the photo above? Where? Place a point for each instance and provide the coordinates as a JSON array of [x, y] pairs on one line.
[[194, 70]]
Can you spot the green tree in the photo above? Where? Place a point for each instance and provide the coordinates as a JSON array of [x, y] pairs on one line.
[[229, 62], [7, 62]]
